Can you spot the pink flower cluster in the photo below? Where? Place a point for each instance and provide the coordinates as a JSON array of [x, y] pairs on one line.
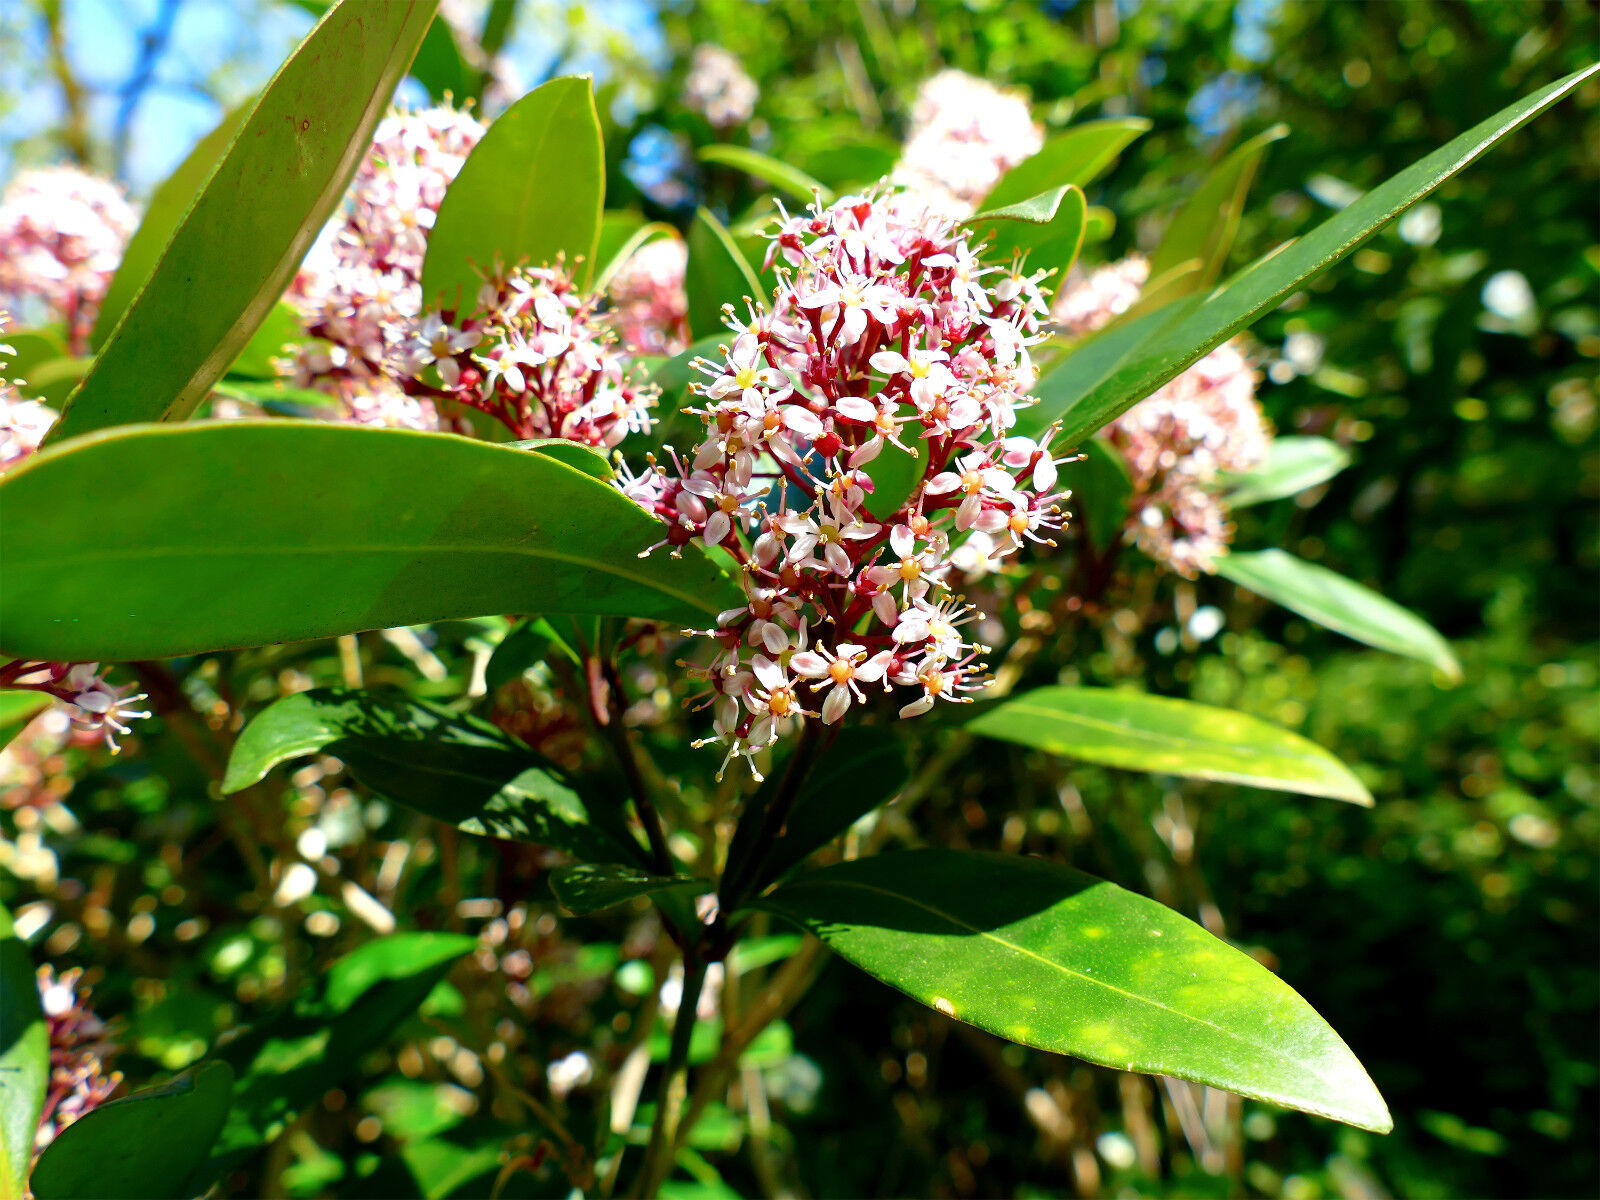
[[95, 704], [539, 357], [79, 1051], [719, 88], [62, 234], [889, 348], [23, 423], [965, 134], [1177, 441], [649, 305], [360, 290]]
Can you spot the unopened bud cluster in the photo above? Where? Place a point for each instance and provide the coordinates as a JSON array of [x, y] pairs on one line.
[[889, 349]]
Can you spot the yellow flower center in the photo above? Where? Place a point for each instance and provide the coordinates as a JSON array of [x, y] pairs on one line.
[[841, 670]]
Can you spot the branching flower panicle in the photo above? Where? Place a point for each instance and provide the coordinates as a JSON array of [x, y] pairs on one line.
[[96, 705], [965, 133], [649, 305], [79, 1051], [62, 234], [889, 348], [719, 88]]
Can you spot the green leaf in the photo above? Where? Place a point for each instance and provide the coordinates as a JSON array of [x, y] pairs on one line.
[[53, 380], [24, 1060], [236, 247], [459, 770], [1205, 226], [861, 770], [1048, 228], [533, 641], [242, 533], [147, 1146], [591, 460], [895, 475], [1138, 732], [585, 888], [1292, 465], [717, 274], [30, 348], [17, 708], [1339, 604], [1098, 225], [1093, 402], [769, 170], [1060, 961], [281, 328], [292, 1059], [531, 190], [168, 205], [1101, 488], [1076, 156], [439, 66], [613, 257]]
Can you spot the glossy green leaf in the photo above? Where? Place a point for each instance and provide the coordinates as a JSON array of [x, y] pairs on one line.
[[861, 770], [585, 888], [148, 1146], [614, 255], [439, 66], [769, 170], [1061, 961], [1292, 465], [1340, 604], [168, 205], [242, 533], [456, 769], [1048, 228], [30, 348], [1098, 225], [1091, 402], [17, 708], [52, 381], [1139, 732], [281, 328], [24, 1060], [718, 274], [1076, 156], [591, 460], [237, 246], [1101, 490], [895, 475], [532, 190], [289, 1061], [1205, 226], [533, 641]]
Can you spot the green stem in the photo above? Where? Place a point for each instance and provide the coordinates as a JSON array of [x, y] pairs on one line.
[[743, 878], [660, 1154], [627, 757]]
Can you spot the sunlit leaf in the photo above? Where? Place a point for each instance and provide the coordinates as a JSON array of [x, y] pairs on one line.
[[585, 888], [718, 274], [767, 169], [1077, 156], [1292, 465], [24, 1060]]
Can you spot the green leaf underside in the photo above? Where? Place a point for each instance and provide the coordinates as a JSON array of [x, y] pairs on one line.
[[502, 207], [530, 642], [769, 170], [1205, 226], [1077, 156], [17, 708], [147, 1146], [1048, 228], [1138, 732], [1292, 465], [24, 1060], [1101, 489], [585, 888], [1339, 604], [245, 533], [232, 254], [717, 274], [1089, 400], [166, 209], [459, 770], [290, 1060], [1054, 959]]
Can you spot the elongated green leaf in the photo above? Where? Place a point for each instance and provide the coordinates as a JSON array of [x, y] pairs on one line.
[[439, 66], [1061, 961], [459, 770], [1048, 228], [147, 1146], [242, 533], [1101, 488], [281, 327], [168, 205], [292, 1059], [1292, 465], [894, 474], [1205, 226], [613, 258], [17, 708], [588, 459], [1092, 402], [235, 249], [1169, 737], [52, 381], [24, 1060], [532, 190], [30, 348], [530, 642], [769, 170], [1340, 604], [585, 888], [717, 274], [1077, 156]]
